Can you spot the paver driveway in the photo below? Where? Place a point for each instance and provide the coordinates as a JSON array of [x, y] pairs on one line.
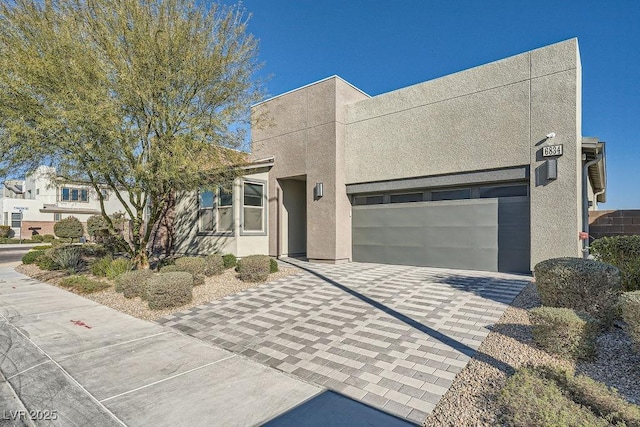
[[391, 336]]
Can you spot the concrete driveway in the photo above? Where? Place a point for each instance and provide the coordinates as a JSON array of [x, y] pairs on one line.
[[392, 337]]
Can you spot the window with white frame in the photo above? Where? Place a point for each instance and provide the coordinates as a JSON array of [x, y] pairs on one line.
[[105, 194], [68, 194], [253, 207], [215, 211], [16, 219], [57, 217]]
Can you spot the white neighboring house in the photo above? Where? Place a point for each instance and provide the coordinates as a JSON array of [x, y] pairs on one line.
[[36, 203]]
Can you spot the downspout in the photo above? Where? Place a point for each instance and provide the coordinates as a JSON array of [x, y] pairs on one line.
[[585, 203]]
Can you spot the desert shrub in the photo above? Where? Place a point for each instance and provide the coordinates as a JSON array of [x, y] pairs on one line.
[[118, 266], [48, 238], [68, 228], [67, 258], [254, 268], [37, 238], [580, 284], [197, 279], [93, 250], [527, 399], [83, 285], [166, 290], [99, 266], [624, 253], [45, 262], [32, 256], [273, 265], [6, 232], [630, 306], [133, 283], [600, 399], [564, 332], [229, 260], [169, 268], [197, 266], [9, 240], [97, 226], [215, 265]]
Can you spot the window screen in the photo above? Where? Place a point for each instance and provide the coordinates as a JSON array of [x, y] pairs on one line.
[[504, 191], [451, 194], [406, 198]]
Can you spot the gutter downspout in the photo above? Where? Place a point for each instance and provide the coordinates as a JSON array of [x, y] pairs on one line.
[[585, 203]]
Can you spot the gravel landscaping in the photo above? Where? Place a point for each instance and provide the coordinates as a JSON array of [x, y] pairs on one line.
[[471, 400], [214, 288]]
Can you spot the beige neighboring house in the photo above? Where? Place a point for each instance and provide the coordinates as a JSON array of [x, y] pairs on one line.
[[41, 199], [484, 169]]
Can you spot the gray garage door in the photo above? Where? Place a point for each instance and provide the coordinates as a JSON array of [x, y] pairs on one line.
[[489, 234]]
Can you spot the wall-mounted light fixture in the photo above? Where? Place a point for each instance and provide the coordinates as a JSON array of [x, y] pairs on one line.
[[318, 191], [552, 169]]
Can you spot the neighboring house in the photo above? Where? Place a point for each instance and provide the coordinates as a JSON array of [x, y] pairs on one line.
[[451, 172], [42, 199]]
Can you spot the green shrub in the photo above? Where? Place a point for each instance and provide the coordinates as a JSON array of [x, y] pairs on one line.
[[229, 260], [169, 268], [48, 238], [564, 332], [118, 266], [630, 306], [166, 290], [93, 250], [100, 266], [529, 399], [32, 256], [624, 253], [254, 268], [83, 284], [273, 265], [67, 258], [600, 399], [97, 226], [37, 238], [197, 266], [133, 283], [9, 240], [45, 262], [69, 228], [41, 248], [580, 284], [215, 265], [6, 231]]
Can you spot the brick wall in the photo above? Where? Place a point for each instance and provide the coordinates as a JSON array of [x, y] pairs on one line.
[[46, 227], [614, 223]]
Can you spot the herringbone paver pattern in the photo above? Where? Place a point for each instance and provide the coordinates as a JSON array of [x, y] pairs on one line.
[[391, 336]]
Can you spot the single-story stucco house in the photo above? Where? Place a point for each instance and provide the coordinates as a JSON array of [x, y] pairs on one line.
[[484, 169]]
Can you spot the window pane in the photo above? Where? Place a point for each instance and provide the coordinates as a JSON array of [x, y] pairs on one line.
[[56, 217], [206, 199], [252, 219], [253, 194], [225, 220], [451, 195], [226, 199], [206, 219], [15, 220], [83, 195], [505, 191], [74, 194], [406, 198], [368, 200], [65, 194]]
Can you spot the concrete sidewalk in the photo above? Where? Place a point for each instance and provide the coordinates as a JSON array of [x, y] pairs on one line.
[[66, 357]]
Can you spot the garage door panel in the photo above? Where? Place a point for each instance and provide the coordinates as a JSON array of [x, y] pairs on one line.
[[478, 234]]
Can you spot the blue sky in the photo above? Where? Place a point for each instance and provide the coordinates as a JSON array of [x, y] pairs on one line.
[[380, 46]]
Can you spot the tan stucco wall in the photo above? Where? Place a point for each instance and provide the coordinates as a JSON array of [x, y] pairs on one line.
[[489, 117]]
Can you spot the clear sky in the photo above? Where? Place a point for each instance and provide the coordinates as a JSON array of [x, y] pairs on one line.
[[379, 46]]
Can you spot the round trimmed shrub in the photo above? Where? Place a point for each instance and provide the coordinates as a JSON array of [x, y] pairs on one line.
[[133, 283], [254, 268], [215, 265], [630, 306], [197, 266], [198, 279], [48, 238], [6, 231], [565, 332], [68, 228], [229, 260], [273, 265], [166, 290], [31, 257], [37, 238], [581, 284]]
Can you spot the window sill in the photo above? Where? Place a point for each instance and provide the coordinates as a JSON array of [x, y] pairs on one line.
[[216, 233]]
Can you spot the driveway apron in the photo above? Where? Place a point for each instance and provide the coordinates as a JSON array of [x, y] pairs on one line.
[[391, 337]]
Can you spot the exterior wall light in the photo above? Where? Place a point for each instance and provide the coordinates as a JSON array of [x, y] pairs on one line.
[[318, 191]]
